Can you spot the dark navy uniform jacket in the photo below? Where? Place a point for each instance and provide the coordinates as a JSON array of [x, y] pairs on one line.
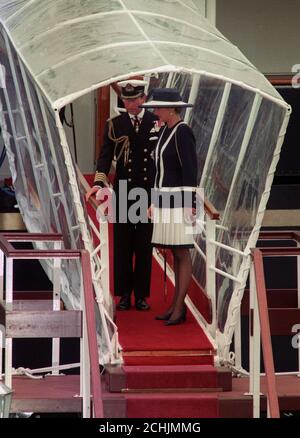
[[135, 163]]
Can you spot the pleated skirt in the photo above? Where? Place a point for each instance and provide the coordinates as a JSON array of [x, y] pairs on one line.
[[171, 228]]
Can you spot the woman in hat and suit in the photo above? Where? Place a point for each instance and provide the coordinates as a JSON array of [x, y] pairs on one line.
[[174, 193]]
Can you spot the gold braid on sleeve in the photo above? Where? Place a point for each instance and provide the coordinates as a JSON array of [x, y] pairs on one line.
[[124, 139]]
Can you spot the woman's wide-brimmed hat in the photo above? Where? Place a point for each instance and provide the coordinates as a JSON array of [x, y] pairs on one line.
[[165, 98]]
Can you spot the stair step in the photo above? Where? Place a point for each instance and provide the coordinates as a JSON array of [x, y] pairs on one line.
[[283, 320], [27, 305], [174, 405], [167, 378], [285, 298], [51, 394], [232, 404], [170, 358], [33, 318], [33, 295]]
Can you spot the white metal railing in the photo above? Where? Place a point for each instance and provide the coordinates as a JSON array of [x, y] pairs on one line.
[[89, 361], [260, 333], [209, 257], [100, 256], [210, 274], [42, 146], [259, 327], [295, 237], [254, 347]]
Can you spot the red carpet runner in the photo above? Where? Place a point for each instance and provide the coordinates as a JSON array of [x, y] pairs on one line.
[[171, 406], [140, 332], [154, 354]]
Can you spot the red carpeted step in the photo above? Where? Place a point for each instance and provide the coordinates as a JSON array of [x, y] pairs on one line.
[[205, 359], [166, 376], [187, 378], [139, 331], [175, 405]]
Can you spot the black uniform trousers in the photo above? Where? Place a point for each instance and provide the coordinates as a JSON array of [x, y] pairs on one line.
[[132, 273]]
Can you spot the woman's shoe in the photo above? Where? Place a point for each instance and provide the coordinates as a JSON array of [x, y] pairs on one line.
[[163, 317], [179, 320]]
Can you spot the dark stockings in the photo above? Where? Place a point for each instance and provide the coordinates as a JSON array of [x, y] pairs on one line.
[[183, 275]]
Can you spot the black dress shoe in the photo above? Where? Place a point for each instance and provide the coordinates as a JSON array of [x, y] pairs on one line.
[[141, 304], [163, 317], [178, 320], [124, 303]]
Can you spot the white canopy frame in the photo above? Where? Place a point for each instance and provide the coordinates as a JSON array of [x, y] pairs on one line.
[[109, 337], [178, 24], [166, 37]]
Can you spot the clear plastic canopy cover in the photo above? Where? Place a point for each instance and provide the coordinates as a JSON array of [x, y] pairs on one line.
[[70, 47]]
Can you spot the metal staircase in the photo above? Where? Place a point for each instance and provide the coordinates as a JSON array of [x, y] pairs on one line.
[[47, 319]]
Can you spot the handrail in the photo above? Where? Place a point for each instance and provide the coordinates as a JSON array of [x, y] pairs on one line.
[[211, 210], [32, 237], [92, 201], [228, 248], [272, 235], [280, 251], [9, 251], [89, 365], [101, 277], [92, 337], [265, 333], [86, 187], [283, 251], [280, 235], [225, 274]]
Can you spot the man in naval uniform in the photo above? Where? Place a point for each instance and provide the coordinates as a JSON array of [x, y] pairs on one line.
[[129, 139]]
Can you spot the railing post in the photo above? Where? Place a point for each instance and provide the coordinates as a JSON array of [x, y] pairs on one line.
[[56, 306], [1, 275], [85, 366], [254, 350], [2, 328], [89, 316], [262, 320], [256, 355], [2, 343], [8, 300], [210, 273], [251, 305], [238, 342], [104, 248]]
